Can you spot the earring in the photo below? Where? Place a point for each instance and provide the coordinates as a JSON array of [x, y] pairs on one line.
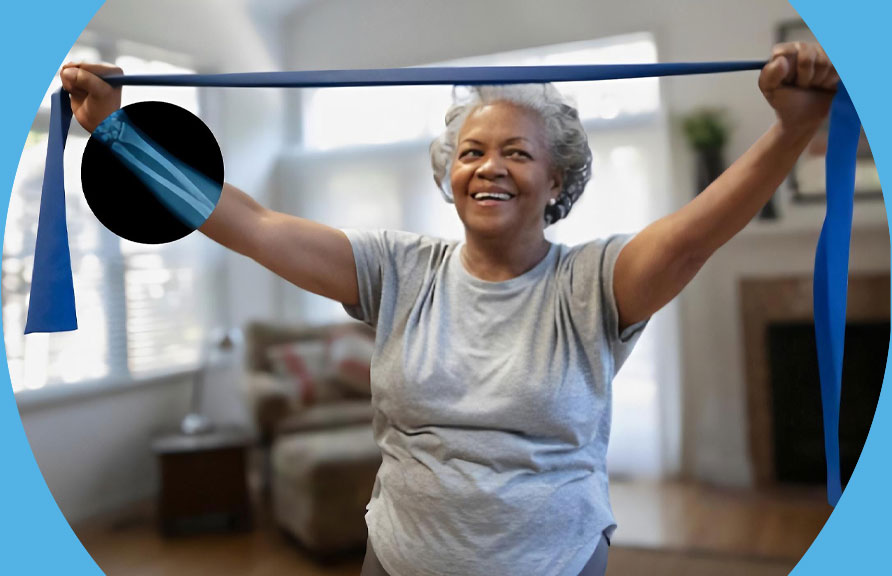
[[552, 201]]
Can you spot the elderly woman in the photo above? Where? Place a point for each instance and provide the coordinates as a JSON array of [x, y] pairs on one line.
[[494, 356]]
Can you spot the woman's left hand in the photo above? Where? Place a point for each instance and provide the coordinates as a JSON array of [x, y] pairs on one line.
[[799, 82]]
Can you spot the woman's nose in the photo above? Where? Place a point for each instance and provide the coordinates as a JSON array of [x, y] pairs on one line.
[[492, 167]]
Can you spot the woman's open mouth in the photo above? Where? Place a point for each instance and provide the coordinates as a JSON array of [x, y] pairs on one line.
[[491, 198]]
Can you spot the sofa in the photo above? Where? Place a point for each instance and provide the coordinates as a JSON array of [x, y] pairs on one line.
[[311, 402]]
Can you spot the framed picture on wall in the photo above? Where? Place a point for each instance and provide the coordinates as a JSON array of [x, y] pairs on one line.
[[807, 178]]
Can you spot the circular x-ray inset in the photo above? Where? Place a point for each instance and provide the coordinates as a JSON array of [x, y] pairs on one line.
[[152, 172]]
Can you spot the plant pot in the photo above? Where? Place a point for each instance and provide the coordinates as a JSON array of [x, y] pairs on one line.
[[710, 165]]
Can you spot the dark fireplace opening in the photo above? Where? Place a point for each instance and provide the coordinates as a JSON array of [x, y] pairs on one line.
[[796, 397]]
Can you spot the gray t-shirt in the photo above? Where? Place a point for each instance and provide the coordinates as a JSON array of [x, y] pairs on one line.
[[492, 406]]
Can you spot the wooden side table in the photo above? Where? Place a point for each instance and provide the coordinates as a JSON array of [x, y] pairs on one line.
[[204, 480]]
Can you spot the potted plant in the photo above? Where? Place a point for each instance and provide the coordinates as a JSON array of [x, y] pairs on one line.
[[706, 130]]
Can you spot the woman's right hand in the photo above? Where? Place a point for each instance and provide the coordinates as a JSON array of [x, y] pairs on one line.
[[92, 99]]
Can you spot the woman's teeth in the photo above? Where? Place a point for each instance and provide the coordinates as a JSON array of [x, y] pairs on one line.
[[490, 196]]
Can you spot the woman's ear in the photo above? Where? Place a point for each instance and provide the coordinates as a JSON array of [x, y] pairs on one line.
[[557, 183]]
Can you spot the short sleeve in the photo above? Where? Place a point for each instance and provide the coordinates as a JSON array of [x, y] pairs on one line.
[[391, 267], [621, 344], [591, 267], [370, 255]]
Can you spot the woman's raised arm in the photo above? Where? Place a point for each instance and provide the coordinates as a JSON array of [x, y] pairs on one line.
[[799, 82], [310, 255]]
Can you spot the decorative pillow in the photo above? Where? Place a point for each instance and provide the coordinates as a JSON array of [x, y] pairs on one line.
[[305, 364], [350, 357]]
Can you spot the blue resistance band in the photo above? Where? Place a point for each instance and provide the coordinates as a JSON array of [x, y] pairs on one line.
[[831, 277], [52, 307]]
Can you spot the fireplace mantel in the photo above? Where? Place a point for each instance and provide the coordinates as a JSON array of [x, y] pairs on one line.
[[764, 301]]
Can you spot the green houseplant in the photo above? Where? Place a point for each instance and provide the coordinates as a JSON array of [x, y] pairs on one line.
[[707, 131]]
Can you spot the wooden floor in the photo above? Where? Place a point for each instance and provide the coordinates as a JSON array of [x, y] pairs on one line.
[[665, 528], [129, 544], [779, 524]]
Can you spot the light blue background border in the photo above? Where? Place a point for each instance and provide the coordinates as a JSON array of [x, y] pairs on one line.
[[856, 539], [36, 539], [35, 37]]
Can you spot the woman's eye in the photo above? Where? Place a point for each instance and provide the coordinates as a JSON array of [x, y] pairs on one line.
[[509, 153]]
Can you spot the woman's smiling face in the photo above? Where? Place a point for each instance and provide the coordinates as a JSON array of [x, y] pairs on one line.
[[502, 175]]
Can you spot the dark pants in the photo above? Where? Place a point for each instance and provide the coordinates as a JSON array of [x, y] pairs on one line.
[[596, 566]]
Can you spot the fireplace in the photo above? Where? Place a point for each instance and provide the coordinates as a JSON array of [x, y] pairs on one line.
[[783, 392]]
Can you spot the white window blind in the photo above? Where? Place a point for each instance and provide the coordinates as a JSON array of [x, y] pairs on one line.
[[168, 297], [166, 286], [142, 310], [90, 352]]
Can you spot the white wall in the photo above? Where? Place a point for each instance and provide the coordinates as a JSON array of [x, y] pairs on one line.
[[95, 452]]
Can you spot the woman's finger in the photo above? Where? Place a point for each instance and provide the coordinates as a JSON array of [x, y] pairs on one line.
[[805, 64], [773, 74], [76, 79], [823, 68], [831, 81], [98, 68], [788, 51]]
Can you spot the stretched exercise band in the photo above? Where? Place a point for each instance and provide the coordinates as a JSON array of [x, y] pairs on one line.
[[52, 294]]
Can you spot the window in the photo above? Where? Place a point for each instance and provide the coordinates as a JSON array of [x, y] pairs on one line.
[[142, 310], [39, 359], [342, 117]]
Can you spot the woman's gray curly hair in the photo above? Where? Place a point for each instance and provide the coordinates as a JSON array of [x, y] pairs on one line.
[[566, 138]]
